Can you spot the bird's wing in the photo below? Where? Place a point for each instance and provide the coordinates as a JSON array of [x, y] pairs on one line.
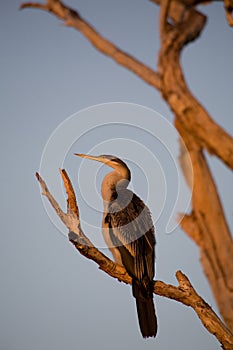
[[132, 232]]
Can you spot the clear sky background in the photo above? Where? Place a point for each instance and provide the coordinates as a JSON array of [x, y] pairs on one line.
[[51, 297]]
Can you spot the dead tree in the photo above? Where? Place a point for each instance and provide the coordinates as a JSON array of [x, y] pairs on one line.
[[179, 24]]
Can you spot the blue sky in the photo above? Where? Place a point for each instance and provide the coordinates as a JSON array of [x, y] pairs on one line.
[[51, 297]]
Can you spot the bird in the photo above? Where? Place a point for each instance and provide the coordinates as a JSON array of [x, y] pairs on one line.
[[129, 233]]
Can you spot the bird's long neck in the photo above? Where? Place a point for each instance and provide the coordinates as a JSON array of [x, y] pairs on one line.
[[114, 181]]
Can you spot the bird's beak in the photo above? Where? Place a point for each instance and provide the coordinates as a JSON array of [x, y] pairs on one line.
[[97, 158], [82, 155]]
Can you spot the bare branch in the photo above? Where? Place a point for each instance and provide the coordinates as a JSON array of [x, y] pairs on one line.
[[187, 295], [207, 226], [71, 198], [189, 225], [194, 118], [105, 264], [163, 17], [51, 199], [192, 122], [212, 136], [228, 4], [73, 19], [34, 5], [178, 5], [184, 293]]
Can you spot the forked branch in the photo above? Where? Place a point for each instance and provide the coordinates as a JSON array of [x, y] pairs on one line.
[[206, 225], [73, 19], [216, 140], [184, 293]]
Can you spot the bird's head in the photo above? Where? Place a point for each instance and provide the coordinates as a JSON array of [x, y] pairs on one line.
[[114, 181], [108, 160]]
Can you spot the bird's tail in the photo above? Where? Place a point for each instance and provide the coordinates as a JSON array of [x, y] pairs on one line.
[[146, 317], [146, 312]]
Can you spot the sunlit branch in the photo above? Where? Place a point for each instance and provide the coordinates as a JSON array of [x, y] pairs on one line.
[[73, 19], [184, 293]]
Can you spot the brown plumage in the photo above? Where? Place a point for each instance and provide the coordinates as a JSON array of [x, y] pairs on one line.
[[129, 233]]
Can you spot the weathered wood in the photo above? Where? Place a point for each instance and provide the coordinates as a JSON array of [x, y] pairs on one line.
[[184, 293]]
